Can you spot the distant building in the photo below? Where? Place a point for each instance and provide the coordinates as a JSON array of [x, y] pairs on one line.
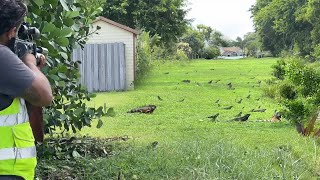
[[231, 52]]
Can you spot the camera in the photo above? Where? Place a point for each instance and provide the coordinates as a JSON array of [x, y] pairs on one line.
[[25, 42]]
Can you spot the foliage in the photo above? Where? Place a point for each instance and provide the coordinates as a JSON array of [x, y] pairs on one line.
[[289, 25], [163, 17], [287, 91], [211, 52], [217, 39], [64, 26], [195, 40], [180, 56], [64, 157], [204, 41], [185, 48], [252, 44], [279, 69], [299, 92], [145, 45]]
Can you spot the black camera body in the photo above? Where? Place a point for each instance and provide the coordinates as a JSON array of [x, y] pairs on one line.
[[25, 42]]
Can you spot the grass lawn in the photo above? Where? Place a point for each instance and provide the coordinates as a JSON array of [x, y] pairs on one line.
[[178, 141]]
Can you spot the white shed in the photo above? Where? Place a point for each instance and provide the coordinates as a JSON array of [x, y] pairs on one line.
[[113, 32]]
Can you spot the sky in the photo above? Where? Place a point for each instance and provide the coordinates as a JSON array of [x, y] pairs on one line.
[[230, 17]]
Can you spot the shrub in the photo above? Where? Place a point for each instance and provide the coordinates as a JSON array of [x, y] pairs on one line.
[[144, 55], [298, 90], [210, 52], [287, 91], [279, 69], [185, 48], [180, 56]]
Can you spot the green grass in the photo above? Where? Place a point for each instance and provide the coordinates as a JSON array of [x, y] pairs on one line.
[[190, 146]]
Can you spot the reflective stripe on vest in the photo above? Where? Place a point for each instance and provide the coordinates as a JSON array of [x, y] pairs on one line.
[[18, 153], [20, 115], [17, 149]]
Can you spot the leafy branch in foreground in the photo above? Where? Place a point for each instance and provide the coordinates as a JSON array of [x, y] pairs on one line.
[[65, 25]]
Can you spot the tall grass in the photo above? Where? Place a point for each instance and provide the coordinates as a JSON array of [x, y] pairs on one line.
[[178, 141]]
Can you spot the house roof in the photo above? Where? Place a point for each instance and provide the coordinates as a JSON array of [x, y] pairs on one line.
[[100, 18], [231, 49]]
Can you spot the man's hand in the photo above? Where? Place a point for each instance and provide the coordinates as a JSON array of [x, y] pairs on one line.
[[41, 60]]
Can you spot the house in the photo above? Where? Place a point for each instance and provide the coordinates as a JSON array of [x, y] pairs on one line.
[[231, 51], [109, 57]]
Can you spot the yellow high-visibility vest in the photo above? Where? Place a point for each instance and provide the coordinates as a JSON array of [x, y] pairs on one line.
[[17, 148]]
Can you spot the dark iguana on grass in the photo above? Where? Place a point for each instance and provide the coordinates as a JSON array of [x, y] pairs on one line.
[[242, 118], [145, 109]]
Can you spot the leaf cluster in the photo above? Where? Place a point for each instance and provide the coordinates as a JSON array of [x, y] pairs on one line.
[[64, 26], [298, 89]]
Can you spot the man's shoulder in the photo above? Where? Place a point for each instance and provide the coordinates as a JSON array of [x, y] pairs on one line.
[[5, 52], [5, 49], [7, 56]]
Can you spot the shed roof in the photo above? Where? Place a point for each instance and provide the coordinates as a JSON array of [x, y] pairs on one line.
[[100, 18]]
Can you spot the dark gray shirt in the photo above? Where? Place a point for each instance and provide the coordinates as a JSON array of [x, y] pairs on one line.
[[15, 77]]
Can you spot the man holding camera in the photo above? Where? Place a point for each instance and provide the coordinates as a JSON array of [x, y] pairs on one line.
[[20, 81]]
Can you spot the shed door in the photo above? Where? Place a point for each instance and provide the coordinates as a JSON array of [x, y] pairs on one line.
[[103, 66]]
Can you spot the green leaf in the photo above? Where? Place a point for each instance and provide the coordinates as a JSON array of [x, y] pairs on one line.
[[72, 14], [64, 5], [38, 2], [66, 32], [68, 22], [63, 117], [62, 76], [53, 3], [54, 77], [64, 55], [48, 27], [62, 84], [111, 112], [100, 123], [78, 111], [62, 41], [75, 154]]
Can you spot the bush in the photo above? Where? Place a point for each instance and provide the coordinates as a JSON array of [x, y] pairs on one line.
[[180, 56], [298, 89], [279, 69], [287, 91], [144, 55], [210, 52], [185, 48]]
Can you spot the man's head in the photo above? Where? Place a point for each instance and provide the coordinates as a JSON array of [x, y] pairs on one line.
[[12, 13]]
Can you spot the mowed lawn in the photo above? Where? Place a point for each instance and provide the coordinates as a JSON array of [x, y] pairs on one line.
[[178, 141]]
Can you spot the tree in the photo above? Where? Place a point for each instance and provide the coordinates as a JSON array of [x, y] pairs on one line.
[[65, 25], [280, 26], [217, 39], [195, 40], [251, 43], [163, 17], [206, 31]]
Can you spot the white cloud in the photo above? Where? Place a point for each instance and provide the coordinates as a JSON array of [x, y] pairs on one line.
[[231, 17]]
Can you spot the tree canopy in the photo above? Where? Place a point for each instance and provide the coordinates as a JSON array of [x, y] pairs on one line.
[[163, 17], [287, 25]]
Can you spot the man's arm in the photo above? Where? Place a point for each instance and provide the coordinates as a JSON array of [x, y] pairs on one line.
[[39, 93]]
